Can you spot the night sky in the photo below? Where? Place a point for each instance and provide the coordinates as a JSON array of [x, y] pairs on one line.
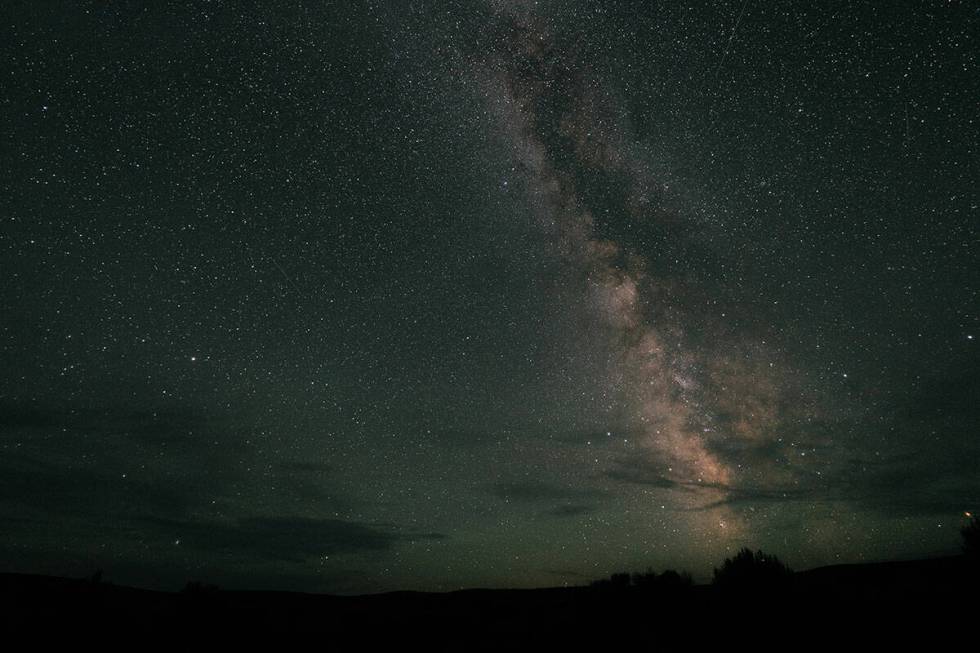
[[362, 296]]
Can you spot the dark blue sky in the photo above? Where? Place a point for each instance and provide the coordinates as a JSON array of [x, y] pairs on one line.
[[351, 297]]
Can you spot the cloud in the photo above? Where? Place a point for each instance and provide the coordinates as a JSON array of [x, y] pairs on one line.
[[170, 424], [571, 510], [460, 437], [640, 471], [45, 490], [98, 467], [292, 539], [537, 492]]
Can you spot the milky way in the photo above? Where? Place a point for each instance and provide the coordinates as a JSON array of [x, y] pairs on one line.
[[535, 86]]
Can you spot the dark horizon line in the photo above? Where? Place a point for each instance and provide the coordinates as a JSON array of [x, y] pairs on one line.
[[587, 584]]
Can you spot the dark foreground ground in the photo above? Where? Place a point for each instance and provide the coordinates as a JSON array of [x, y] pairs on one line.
[[937, 598]]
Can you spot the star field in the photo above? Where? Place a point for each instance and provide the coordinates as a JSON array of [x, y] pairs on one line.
[[355, 297]]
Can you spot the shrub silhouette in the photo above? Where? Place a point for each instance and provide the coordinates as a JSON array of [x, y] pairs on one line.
[[645, 580], [749, 570], [668, 582]]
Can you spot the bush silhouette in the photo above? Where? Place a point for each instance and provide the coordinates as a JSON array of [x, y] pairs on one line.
[[749, 570], [645, 580], [668, 582]]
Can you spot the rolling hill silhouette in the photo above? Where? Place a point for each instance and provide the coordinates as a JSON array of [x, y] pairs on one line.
[[864, 596]]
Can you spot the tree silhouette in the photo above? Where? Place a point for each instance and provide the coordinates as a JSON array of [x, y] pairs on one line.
[[749, 570]]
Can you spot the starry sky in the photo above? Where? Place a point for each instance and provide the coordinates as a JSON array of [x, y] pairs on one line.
[[363, 296]]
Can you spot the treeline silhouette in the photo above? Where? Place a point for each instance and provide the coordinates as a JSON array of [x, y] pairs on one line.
[[747, 570], [669, 580], [764, 577], [752, 571], [643, 608]]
